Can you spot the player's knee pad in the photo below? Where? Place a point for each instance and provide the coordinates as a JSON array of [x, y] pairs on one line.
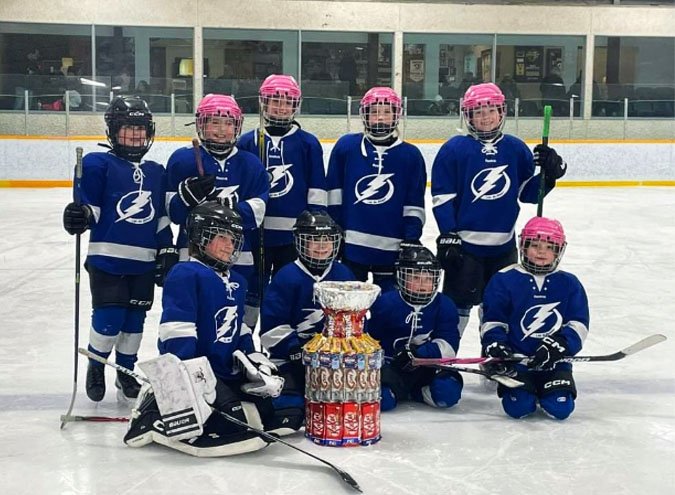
[[558, 405], [556, 381], [518, 403], [288, 415], [444, 391], [388, 401]]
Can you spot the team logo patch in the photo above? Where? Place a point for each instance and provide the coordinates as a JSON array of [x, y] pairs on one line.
[[135, 207], [307, 327], [490, 183], [226, 324], [541, 320], [228, 192], [281, 180], [374, 189]]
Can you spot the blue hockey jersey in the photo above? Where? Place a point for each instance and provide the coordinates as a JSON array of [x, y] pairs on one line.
[[240, 176], [475, 188], [432, 329], [129, 218], [290, 316], [202, 313], [520, 309], [376, 194], [294, 164]]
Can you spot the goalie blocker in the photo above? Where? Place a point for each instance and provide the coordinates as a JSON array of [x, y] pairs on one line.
[[175, 410]]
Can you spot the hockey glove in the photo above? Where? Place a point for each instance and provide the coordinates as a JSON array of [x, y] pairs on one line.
[[402, 360], [449, 248], [226, 201], [76, 218], [550, 163], [194, 190], [498, 350], [164, 261], [552, 349], [260, 371]]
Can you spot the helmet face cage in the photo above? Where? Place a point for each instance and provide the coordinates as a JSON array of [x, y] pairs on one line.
[[225, 110], [129, 112], [319, 235], [484, 97], [545, 230], [280, 98], [206, 234], [407, 277], [385, 108]]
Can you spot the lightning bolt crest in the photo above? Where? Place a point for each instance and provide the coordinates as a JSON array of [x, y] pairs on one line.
[[489, 181], [136, 205], [373, 186], [538, 320], [277, 174], [229, 325], [313, 317]]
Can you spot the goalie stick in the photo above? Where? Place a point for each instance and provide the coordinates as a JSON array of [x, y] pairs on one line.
[[344, 475], [96, 419], [631, 349]]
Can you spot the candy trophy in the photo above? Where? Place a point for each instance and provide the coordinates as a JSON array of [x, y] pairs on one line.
[[342, 369]]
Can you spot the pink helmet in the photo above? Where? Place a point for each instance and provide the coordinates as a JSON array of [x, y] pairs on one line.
[[482, 96], [542, 229], [279, 88], [381, 97], [214, 105]]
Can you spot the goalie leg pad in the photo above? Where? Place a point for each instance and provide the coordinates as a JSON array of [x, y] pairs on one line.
[[181, 389], [145, 423], [222, 438]]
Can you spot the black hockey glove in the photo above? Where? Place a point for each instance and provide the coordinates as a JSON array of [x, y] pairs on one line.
[[164, 261], [76, 218], [402, 360], [498, 350], [227, 202], [449, 248], [552, 349], [194, 190], [550, 163]]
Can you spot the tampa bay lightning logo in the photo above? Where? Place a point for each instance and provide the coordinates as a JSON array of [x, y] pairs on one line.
[[374, 189], [541, 320], [226, 324], [135, 207], [281, 180], [228, 192], [490, 183], [307, 327]]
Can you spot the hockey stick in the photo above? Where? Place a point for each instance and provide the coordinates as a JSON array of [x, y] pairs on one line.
[[76, 323], [261, 237], [631, 349], [198, 156], [542, 174], [505, 380], [96, 419], [345, 476]]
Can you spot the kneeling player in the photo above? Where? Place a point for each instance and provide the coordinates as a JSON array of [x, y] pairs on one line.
[[203, 304], [534, 309], [416, 320], [291, 316]]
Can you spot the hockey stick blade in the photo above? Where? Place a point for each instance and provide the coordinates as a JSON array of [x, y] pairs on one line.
[[96, 419], [346, 477], [504, 380], [641, 345]]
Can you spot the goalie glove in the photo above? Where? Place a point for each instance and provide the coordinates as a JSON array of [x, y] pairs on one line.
[[260, 371]]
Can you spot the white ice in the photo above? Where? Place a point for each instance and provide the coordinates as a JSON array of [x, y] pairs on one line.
[[620, 439]]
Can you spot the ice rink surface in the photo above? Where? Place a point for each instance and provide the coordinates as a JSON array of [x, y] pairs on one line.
[[620, 440]]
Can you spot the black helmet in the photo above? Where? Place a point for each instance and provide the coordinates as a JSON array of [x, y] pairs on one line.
[[316, 226], [415, 267], [129, 111], [208, 221]]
